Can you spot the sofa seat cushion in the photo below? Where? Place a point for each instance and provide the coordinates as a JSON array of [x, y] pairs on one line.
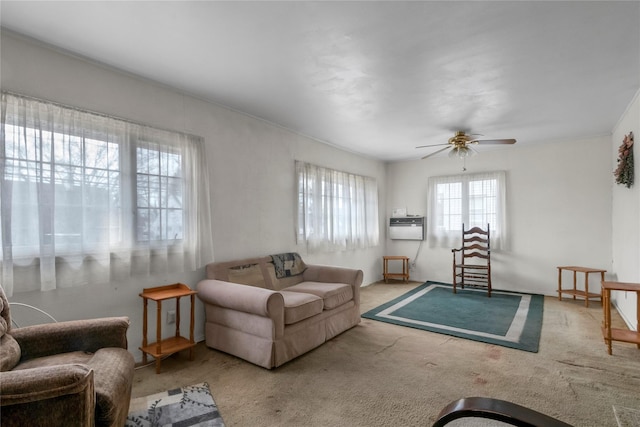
[[299, 306], [332, 294]]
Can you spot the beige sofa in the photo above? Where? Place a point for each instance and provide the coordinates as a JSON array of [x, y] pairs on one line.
[[272, 309]]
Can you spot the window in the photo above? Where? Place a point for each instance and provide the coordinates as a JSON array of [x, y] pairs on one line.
[[88, 198], [475, 200], [159, 193], [336, 210], [52, 177]]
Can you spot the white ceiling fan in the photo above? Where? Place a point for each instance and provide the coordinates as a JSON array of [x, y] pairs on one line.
[[460, 145]]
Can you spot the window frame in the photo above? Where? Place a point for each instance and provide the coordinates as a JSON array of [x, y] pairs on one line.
[[442, 233]]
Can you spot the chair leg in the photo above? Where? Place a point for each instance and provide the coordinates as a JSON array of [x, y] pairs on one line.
[[454, 274], [454, 281]]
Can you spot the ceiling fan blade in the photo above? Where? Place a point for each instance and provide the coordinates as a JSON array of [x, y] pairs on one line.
[[435, 152], [432, 145], [492, 141]]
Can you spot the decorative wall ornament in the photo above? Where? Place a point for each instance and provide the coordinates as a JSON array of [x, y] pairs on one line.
[[624, 171]]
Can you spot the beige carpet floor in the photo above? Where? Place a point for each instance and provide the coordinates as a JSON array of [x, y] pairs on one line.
[[378, 374]]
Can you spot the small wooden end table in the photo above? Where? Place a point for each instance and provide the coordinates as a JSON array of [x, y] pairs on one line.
[[405, 268], [163, 347], [614, 334], [578, 292]]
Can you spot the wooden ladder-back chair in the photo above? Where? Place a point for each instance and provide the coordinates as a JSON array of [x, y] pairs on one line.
[[473, 266]]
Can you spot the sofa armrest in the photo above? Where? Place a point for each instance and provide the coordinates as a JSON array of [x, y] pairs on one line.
[[330, 274], [75, 335], [67, 389], [248, 299]]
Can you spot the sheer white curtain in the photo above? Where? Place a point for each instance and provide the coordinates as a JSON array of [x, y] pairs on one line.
[[87, 198], [473, 199], [336, 210]]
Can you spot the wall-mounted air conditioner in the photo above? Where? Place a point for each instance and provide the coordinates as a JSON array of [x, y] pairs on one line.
[[407, 228]]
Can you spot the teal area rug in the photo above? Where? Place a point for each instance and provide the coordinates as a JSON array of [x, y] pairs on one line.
[[508, 319], [191, 406]]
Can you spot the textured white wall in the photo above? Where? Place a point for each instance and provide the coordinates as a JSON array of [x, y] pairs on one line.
[[626, 217], [558, 206], [560, 194], [251, 168]]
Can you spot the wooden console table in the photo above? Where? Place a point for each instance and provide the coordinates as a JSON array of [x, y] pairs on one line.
[[578, 292], [614, 334], [163, 347], [405, 268]]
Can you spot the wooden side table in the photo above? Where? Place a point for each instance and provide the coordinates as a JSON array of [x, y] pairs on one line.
[[578, 292], [614, 334], [173, 344], [405, 268]]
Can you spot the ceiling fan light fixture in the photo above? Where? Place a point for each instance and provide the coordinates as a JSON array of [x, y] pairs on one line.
[[461, 152]]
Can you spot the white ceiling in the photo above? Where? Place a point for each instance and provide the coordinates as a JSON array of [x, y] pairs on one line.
[[377, 78]]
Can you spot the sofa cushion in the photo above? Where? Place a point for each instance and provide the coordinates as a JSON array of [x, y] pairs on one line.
[[332, 294], [250, 274], [283, 283], [299, 306]]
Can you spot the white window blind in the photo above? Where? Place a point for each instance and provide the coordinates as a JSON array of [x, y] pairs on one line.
[[475, 200], [88, 198], [336, 210]]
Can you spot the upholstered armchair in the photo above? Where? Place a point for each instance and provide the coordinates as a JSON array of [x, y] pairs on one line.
[[75, 373]]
